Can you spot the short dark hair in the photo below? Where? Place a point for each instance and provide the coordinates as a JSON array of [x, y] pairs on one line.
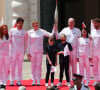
[[19, 20], [96, 20]]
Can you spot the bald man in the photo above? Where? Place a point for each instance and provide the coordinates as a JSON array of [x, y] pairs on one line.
[[22, 88], [72, 34]]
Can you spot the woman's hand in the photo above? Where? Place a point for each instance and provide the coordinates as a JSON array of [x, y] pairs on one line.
[[78, 59]]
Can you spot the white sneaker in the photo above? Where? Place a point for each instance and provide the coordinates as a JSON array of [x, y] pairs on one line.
[[5, 83], [33, 83], [68, 84], [95, 83], [38, 82], [51, 84], [87, 83], [1, 83], [11, 83], [18, 83], [46, 84], [59, 84]]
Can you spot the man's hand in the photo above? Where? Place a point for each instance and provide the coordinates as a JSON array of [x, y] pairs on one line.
[[55, 28], [61, 52], [90, 59], [29, 56], [55, 64]]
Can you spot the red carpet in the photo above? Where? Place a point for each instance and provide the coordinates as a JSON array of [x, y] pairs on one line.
[[28, 85]]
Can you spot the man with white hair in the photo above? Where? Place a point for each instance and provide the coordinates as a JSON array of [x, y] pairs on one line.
[[72, 34]]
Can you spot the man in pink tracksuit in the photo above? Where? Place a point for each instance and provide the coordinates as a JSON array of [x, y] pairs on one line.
[[96, 49], [17, 36], [72, 34], [35, 50]]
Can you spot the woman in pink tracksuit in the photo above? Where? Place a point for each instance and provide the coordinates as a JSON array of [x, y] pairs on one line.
[[35, 49], [4, 55], [84, 54]]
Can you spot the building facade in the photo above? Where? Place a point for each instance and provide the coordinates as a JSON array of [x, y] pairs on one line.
[[43, 10], [27, 9], [2, 8]]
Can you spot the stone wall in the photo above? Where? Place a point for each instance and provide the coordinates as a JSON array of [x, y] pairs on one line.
[[2, 8], [27, 9]]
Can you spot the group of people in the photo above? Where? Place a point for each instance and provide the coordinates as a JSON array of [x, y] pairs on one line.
[[74, 46]]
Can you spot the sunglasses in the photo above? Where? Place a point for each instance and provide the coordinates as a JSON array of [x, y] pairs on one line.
[[51, 40]]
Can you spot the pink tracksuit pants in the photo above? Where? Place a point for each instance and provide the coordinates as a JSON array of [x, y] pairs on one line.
[[96, 67], [84, 63], [16, 65], [4, 68], [36, 64]]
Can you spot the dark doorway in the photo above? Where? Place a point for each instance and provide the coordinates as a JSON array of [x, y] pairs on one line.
[[81, 10], [47, 9], [70, 8]]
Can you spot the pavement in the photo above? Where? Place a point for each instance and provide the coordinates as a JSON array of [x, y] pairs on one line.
[[27, 69]]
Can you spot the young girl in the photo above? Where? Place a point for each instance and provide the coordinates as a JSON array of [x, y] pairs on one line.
[[64, 53], [84, 54], [4, 54], [51, 59]]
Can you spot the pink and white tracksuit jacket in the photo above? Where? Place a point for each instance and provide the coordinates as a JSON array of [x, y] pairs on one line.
[[84, 52], [96, 53], [4, 60], [17, 52], [35, 49]]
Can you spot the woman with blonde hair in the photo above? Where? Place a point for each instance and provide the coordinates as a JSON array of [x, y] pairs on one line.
[[35, 49]]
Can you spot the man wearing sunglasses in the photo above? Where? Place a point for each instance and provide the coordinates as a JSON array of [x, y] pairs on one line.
[[64, 49]]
